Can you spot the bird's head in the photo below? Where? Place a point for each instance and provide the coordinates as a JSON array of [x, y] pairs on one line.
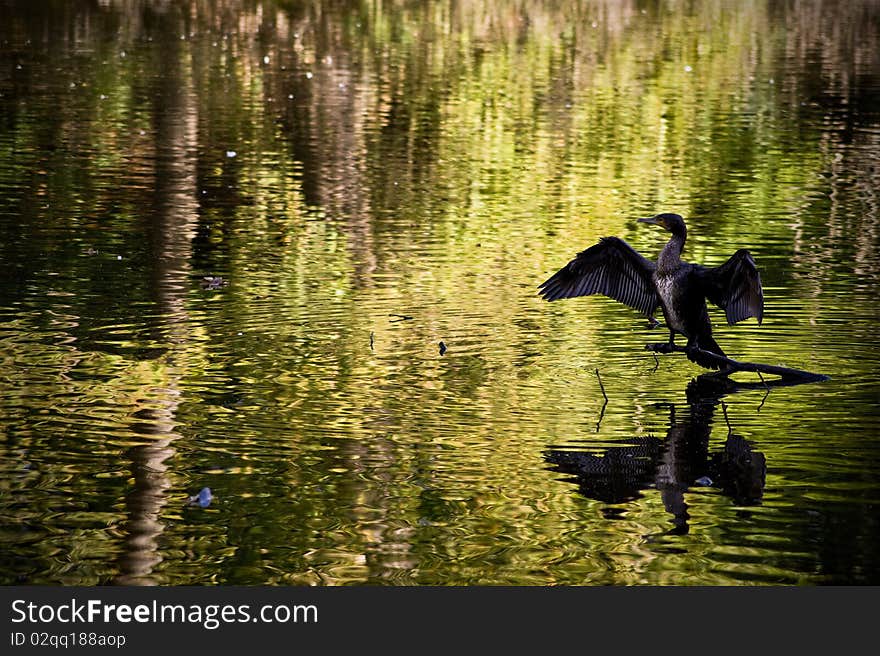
[[671, 222]]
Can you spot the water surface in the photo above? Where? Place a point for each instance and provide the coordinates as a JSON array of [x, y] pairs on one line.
[[234, 234]]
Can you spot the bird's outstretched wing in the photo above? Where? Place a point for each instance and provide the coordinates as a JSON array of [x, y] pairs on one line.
[[612, 268], [735, 287]]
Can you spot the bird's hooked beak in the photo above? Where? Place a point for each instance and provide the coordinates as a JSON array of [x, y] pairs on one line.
[[652, 220]]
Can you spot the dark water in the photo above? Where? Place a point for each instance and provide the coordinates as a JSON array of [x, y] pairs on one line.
[[234, 234]]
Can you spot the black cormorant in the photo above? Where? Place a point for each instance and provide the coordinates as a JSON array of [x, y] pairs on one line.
[[614, 268]]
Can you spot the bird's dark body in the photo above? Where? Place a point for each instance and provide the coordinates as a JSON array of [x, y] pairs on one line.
[[683, 303], [613, 268]]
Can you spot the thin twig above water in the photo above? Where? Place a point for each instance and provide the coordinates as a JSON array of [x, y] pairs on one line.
[[604, 405]]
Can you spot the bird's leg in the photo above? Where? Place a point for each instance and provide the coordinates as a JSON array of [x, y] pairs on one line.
[[663, 347]]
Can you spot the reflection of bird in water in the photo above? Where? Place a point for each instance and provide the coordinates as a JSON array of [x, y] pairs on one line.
[[672, 466], [615, 269]]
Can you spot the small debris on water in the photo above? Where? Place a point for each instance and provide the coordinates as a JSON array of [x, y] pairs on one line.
[[442, 348], [202, 499], [213, 282], [231, 153], [703, 481]]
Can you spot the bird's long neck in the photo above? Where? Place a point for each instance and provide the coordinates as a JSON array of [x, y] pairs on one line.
[[670, 256]]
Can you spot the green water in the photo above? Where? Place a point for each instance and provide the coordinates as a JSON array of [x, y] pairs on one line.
[[370, 179]]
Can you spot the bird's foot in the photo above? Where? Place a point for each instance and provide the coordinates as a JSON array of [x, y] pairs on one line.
[[661, 347]]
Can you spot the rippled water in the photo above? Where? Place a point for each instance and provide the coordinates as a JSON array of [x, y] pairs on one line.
[[233, 236]]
